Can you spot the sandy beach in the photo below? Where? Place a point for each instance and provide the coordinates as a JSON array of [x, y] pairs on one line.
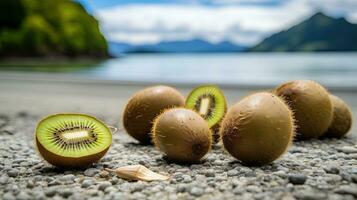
[[317, 169]]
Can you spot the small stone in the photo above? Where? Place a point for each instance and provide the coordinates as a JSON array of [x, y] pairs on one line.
[[186, 179], [232, 172], [69, 178], [65, 193], [347, 189], [195, 191], [30, 184], [91, 172], [210, 173], [103, 185], [347, 149], [181, 188], [54, 182], [8, 196], [87, 183], [13, 172], [297, 179], [50, 192], [23, 196], [332, 169], [4, 180]]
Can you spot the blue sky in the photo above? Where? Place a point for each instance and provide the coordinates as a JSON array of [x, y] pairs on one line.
[[240, 21]]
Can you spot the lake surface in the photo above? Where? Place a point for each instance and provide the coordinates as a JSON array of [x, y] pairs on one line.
[[333, 69]]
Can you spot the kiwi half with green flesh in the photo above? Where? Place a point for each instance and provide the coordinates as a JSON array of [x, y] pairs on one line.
[[72, 140], [258, 129], [210, 102], [182, 134], [144, 106], [311, 105], [342, 118]]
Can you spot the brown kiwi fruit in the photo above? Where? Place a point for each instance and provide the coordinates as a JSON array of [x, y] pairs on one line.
[[311, 105], [144, 106], [182, 134], [210, 102], [342, 118], [72, 140], [258, 129]]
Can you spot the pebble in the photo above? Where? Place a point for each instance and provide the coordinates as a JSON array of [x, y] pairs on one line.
[[348, 149], [91, 172], [69, 178], [50, 192], [13, 173], [195, 191], [297, 179], [65, 192], [87, 183], [332, 169], [23, 196], [8, 196], [103, 185], [347, 189]]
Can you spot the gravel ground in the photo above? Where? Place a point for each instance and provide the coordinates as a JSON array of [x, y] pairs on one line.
[[317, 169]]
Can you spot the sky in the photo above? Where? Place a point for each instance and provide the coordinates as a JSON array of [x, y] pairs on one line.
[[244, 22]]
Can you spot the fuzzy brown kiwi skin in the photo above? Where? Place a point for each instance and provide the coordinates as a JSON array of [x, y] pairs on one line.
[[68, 162], [342, 119], [144, 106], [182, 134], [258, 129], [311, 105]]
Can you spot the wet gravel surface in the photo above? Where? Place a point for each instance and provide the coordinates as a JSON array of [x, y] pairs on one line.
[[317, 169]]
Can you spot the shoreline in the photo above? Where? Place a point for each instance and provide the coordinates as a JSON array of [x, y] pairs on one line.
[[59, 78]]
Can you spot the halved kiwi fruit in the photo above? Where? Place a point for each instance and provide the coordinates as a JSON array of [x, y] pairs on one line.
[[182, 135], [210, 102], [342, 118], [144, 106], [258, 129], [72, 140]]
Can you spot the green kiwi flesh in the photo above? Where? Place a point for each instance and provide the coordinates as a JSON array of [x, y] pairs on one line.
[[342, 118], [210, 102], [72, 140], [144, 106], [258, 129], [182, 134], [311, 105]]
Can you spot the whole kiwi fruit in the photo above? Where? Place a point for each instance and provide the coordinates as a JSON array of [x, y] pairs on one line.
[[258, 129], [311, 105], [182, 134], [144, 106], [72, 140], [342, 118]]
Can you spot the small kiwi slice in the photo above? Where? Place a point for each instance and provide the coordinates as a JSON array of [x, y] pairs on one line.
[[258, 129], [342, 118], [311, 105], [144, 106], [72, 140], [182, 134], [210, 102]]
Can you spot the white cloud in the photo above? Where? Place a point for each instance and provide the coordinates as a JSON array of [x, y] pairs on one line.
[[139, 23]]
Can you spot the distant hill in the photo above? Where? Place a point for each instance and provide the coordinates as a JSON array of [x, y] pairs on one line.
[[49, 28], [318, 33], [188, 46]]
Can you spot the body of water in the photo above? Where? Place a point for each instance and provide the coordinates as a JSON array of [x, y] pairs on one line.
[[333, 69]]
